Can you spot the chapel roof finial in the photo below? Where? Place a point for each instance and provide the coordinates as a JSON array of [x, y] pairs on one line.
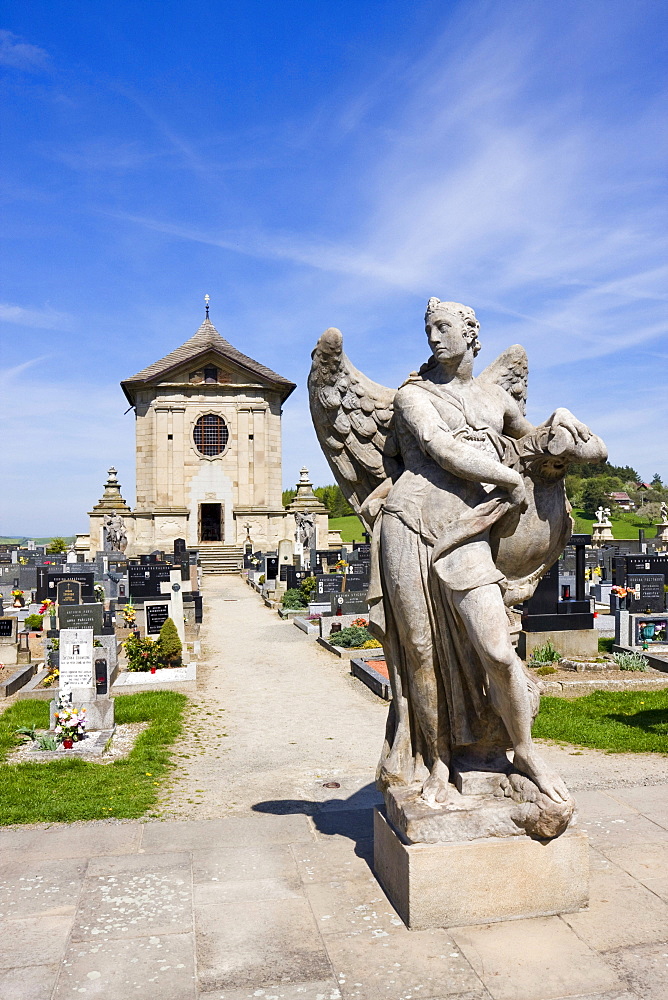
[[206, 300]]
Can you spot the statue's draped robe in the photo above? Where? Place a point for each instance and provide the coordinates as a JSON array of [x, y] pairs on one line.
[[431, 539]]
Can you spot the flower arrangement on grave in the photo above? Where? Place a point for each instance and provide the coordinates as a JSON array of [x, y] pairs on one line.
[[361, 622], [341, 566], [48, 608], [17, 597], [51, 677], [70, 723], [142, 654], [129, 615], [170, 645], [100, 594], [620, 591]]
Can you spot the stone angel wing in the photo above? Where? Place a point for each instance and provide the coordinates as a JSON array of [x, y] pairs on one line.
[[511, 372], [353, 419]]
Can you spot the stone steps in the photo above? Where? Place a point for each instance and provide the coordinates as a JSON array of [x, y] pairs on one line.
[[217, 559]]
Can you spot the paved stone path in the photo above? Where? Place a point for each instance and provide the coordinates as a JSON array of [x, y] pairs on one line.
[[273, 897]]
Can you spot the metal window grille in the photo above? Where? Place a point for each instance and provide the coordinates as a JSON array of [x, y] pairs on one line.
[[211, 434]]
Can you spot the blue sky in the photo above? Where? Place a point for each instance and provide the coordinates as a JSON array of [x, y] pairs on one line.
[[313, 164]]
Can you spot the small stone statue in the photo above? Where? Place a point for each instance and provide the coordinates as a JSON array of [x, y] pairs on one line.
[[664, 513], [466, 501], [115, 535]]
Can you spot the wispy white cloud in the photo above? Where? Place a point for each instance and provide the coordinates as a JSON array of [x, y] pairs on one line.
[[17, 54], [44, 318]]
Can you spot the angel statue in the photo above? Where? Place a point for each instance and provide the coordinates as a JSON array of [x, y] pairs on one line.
[[305, 529], [466, 503]]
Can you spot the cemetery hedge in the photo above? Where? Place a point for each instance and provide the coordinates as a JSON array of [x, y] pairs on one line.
[[63, 791], [616, 721]]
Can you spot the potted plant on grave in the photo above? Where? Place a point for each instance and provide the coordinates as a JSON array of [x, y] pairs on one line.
[[129, 616], [170, 645], [48, 611], [18, 598], [34, 623], [100, 593], [70, 724]]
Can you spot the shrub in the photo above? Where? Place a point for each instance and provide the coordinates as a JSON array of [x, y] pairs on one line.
[[33, 622], [170, 645], [353, 637], [262, 579], [544, 671], [142, 654], [605, 645], [307, 587], [294, 598], [631, 661], [547, 653]]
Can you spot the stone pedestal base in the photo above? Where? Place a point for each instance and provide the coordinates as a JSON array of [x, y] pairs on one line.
[[570, 642], [480, 881]]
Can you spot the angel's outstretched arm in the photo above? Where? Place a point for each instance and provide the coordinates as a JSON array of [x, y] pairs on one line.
[[436, 439]]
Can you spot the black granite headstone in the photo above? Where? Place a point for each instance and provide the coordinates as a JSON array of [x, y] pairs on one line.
[[329, 583], [349, 604], [68, 592], [81, 616], [145, 580], [7, 626], [156, 616], [85, 579], [649, 593]]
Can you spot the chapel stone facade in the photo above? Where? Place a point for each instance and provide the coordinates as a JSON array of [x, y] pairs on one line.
[[208, 443]]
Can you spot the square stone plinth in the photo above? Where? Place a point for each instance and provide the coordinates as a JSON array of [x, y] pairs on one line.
[[480, 881]]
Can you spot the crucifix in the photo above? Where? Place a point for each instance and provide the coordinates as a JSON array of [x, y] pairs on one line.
[[175, 587]]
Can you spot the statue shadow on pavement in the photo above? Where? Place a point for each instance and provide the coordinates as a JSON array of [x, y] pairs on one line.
[[350, 817]]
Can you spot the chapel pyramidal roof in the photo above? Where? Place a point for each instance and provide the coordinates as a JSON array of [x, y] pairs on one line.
[[206, 339]]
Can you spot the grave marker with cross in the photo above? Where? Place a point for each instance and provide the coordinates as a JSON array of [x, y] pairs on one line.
[[175, 588]]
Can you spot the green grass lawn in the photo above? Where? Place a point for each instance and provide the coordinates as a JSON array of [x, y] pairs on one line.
[[617, 721], [620, 527], [63, 791], [351, 528]]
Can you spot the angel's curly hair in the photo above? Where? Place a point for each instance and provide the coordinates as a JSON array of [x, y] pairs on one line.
[[435, 305]]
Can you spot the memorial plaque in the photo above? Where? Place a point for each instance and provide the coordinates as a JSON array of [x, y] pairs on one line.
[[8, 628], [68, 592], [329, 583], [363, 551], [649, 593], [356, 583], [76, 659], [349, 604], [81, 616], [157, 613]]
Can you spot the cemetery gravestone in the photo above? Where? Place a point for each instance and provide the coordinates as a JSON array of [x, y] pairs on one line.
[[85, 579], [81, 616], [68, 592], [650, 630], [76, 659], [157, 613], [145, 581], [330, 583], [349, 604], [649, 593]]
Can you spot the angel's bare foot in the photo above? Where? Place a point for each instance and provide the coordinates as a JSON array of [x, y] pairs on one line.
[[549, 782], [437, 788]]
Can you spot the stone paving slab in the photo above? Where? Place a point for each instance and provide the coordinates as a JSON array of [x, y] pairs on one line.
[[153, 968], [536, 959]]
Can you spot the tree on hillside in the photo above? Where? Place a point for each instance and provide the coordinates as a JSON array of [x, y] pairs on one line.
[[594, 495], [623, 472], [334, 501], [288, 496], [56, 545], [656, 481]]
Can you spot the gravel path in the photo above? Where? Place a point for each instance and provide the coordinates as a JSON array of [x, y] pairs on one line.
[[276, 717]]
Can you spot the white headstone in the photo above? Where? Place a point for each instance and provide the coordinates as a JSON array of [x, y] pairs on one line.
[[76, 659]]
